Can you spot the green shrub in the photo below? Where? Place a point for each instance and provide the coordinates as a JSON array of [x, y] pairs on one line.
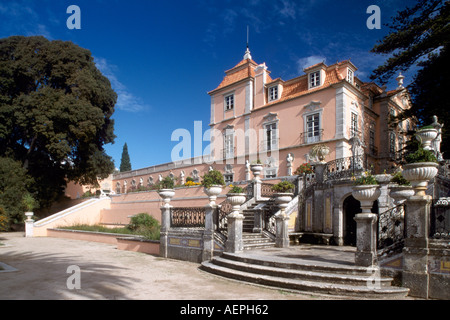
[[398, 179], [212, 178], [284, 186], [145, 225], [166, 183], [236, 189], [4, 221], [420, 155]]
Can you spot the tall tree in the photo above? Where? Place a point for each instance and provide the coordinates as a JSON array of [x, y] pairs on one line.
[[55, 112], [125, 162], [420, 36]]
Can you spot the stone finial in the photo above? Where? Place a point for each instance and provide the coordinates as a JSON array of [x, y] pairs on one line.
[[247, 54], [400, 81]]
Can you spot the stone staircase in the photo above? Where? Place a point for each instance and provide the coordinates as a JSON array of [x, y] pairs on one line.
[[257, 241], [251, 239], [319, 276]]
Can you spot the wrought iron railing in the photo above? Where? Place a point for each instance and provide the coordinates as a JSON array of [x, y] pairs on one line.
[[266, 190], [391, 230], [444, 169], [346, 167], [311, 136], [440, 219], [268, 218], [184, 217]]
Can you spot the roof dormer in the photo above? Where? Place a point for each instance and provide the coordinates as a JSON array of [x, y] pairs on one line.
[[316, 75]]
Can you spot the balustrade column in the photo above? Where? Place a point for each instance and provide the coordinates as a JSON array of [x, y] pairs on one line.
[[415, 252], [165, 226], [208, 234]]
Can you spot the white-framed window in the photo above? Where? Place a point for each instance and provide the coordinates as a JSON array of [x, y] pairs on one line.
[[354, 125], [314, 79], [392, 146], [228, 177], [271, 142], [229, 102], [273, 93], [228, 143], [270, 173], [313, 128], [350, 75]]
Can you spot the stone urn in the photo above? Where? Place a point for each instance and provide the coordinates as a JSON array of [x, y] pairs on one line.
[[426, 136], [282, 199], [236, 200], [29, 216], [383, 178], [419, 174], [400, 193], [166, 195], [212, 192], [256, 170], [366, 194]]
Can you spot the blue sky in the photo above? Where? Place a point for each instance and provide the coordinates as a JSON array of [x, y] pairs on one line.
[[162, 57]]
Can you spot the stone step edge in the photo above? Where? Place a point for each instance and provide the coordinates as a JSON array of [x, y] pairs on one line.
[[296, 274], [306, 286], [297, 265]]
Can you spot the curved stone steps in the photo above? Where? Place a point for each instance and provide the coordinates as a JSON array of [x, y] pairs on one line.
[[321, 279]]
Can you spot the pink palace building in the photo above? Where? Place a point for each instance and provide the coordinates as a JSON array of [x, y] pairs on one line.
[[255, 117]]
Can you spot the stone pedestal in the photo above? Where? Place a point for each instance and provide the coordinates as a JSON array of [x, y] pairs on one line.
[[165, 226], [208, 234], [282, 236], [415, 252], [366, 239], [234, 241]]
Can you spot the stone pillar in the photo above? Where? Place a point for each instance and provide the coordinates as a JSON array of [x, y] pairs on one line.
[[282, 236], [234, 241], [415, 252], [29, 225], [208, 234], [366, 239], [258, 222], [366, 225], [165, 226], [319, 199]]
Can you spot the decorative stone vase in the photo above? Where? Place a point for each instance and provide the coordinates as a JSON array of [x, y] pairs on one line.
[[166, 195], [236, 200], [419, 174], [366, 194], [212, 192], [29, 216], [256, 170], [282, 199], [426, 136], [383, 178], [400, 193]]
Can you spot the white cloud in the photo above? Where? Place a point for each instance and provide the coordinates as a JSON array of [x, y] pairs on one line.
[[126, 101], [306, 62]]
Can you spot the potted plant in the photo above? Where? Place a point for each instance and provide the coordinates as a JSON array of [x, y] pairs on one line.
[[236, 196], [30, 204], [320, 151], [401, 188], [303, 169], [256, 167], [366, 190], [165, 189], [213, 183], [283, 193], [426, 135], [421, 167]]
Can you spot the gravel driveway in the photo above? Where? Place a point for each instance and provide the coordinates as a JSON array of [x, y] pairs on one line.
[[103, 272]]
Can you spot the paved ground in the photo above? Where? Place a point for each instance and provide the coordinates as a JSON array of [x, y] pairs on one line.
[[108, 273]]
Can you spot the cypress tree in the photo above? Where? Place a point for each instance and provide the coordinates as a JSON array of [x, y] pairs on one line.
[[125, 163]]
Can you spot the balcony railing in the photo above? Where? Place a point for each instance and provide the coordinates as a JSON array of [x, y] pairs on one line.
[[311, 136]]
